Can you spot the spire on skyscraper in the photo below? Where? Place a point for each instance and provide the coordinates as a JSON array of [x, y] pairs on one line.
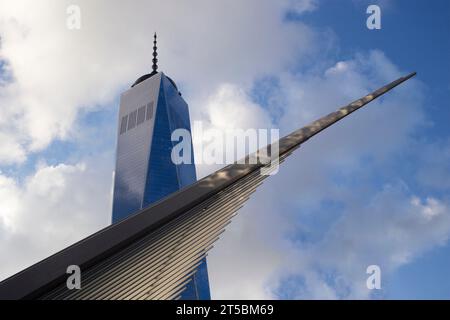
[[154, 67], [155, 54]]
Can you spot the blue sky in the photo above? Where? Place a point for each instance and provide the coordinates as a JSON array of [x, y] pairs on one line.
[[414, 35], [373, 189]]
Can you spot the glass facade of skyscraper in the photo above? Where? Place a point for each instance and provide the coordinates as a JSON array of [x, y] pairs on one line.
[[149, 112]]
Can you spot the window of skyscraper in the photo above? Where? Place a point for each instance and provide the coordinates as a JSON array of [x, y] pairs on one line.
[[123, 124], [132, 120], [149, 110], [141, 115]]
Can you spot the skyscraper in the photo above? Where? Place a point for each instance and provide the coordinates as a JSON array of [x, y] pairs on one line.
[[149, 112]]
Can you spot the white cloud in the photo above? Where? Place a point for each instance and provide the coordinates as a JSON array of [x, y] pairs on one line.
[[53, 208], [389, 231], [11, 150], [58, 72], [290, 244], [301, 7], [228, 109]]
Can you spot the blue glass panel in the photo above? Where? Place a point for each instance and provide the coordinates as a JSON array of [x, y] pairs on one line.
[[178, 112], [162, 178], [125, 202]]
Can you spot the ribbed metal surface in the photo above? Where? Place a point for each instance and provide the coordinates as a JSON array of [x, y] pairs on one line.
[[161, 264]]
